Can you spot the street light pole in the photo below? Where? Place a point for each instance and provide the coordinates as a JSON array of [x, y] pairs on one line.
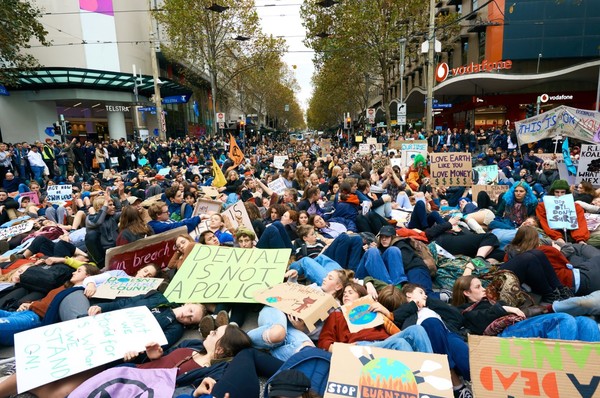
[[402, 42], [160, 117], [430, 59]]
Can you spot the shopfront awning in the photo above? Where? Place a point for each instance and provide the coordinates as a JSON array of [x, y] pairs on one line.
[[52, 78], [581, 77]]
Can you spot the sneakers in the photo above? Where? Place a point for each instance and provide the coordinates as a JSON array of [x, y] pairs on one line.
[[222, 318], [463, 392], [207, 325]]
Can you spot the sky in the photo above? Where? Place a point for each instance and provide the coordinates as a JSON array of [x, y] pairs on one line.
[[283, 19]]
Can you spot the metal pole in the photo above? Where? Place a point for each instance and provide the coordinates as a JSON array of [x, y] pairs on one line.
[[598, 91], [402, 49], [430, 59], [538, 63], [160, 117]]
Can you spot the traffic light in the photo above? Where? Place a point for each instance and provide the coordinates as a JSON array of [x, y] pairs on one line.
[[57, 129], [68, 127], [529, 110], [347, 122]]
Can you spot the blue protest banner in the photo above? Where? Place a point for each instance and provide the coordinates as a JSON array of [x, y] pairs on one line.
[[560, 212]]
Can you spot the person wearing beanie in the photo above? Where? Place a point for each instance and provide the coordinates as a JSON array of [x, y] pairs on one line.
[[417, 173], [579, 235], [290, 383]]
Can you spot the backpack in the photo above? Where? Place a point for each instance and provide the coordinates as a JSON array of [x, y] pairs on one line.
[[505, 286], [311, 361]]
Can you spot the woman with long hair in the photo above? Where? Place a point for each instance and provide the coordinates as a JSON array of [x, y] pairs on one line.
[[484, 316], [132, 226], [184, 244], [518, 203]]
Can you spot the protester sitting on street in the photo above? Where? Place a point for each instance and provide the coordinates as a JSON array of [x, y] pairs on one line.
[[132, 227], [183, 246], [102, 228], [159, 213], [518, 203]]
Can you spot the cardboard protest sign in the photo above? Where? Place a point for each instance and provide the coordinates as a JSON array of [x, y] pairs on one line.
[[326, 144], [589, 165], [559, 157], [152, 199], [395, 144], [560, 212], [59, 194], [279, 161], [33, 197], [304, 302], [7, 233], [218, 274], [452, 169], [486, 174], [493, 191], [410, 149], [211, 192], [371, 372], [522, 367], [358, 316], [396, 162], [364, 149], [371, 140], [157, 249], [277, 186], [53, 352], [236, 214], [207, 206], [126, 286]]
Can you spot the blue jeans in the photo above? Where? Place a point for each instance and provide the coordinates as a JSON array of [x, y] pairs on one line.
[[293, 341], [584, 305], [12, 323], [445, 342], [386, 267], [38, 173], [413, 338], [555, 326], [315, 269]]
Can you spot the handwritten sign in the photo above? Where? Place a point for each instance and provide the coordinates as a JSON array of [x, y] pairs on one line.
[[560, 212], [305, 302], [364, 149], [494, 191], [278, 186], [210, 192], [486, 174], [589, 165], [125, 286], [363, 371], [372, 141], [236, 214], [54, 352], [564, 120], [207, 206], [59, 194], [157, 249], [164, 171], [511, 367], [33, 197], [359, 317], [326, 145], [217, 274], [411, 148], [7, 233], [451, 169], [279, 161]]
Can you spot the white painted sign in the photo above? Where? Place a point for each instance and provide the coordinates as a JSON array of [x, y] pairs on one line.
[[53, 352], [59, 194], [7, 233], [278, 186], [560, 212], [589, 165], [278, 161]]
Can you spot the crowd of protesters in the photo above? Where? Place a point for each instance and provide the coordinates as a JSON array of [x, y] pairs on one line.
[[358, 225]]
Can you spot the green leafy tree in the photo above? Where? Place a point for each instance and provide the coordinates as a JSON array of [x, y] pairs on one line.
[[18, 26], [205, 41]]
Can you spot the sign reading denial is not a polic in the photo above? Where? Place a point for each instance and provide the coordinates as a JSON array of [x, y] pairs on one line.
[[217, 274]]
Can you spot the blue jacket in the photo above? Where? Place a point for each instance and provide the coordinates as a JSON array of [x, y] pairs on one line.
[[162, 226]]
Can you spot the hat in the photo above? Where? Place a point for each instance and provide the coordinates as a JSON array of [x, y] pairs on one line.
[[289, 383], [133, 199], [559, 184], [465, 199], [244, 231], [387, 230]]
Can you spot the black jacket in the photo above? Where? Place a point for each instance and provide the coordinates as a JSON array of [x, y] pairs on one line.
[[406, 315], [480, 317]]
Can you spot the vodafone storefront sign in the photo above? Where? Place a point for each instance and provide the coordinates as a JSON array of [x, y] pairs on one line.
[[544, 98], [557, 97], [443, 70]]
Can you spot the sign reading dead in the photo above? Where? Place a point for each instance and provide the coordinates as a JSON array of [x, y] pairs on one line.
[[157, 249], [218, 274], [451, 169], [526, 367]]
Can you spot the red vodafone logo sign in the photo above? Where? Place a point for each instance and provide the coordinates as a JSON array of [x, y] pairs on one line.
[[544, 97], [441, 72]]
